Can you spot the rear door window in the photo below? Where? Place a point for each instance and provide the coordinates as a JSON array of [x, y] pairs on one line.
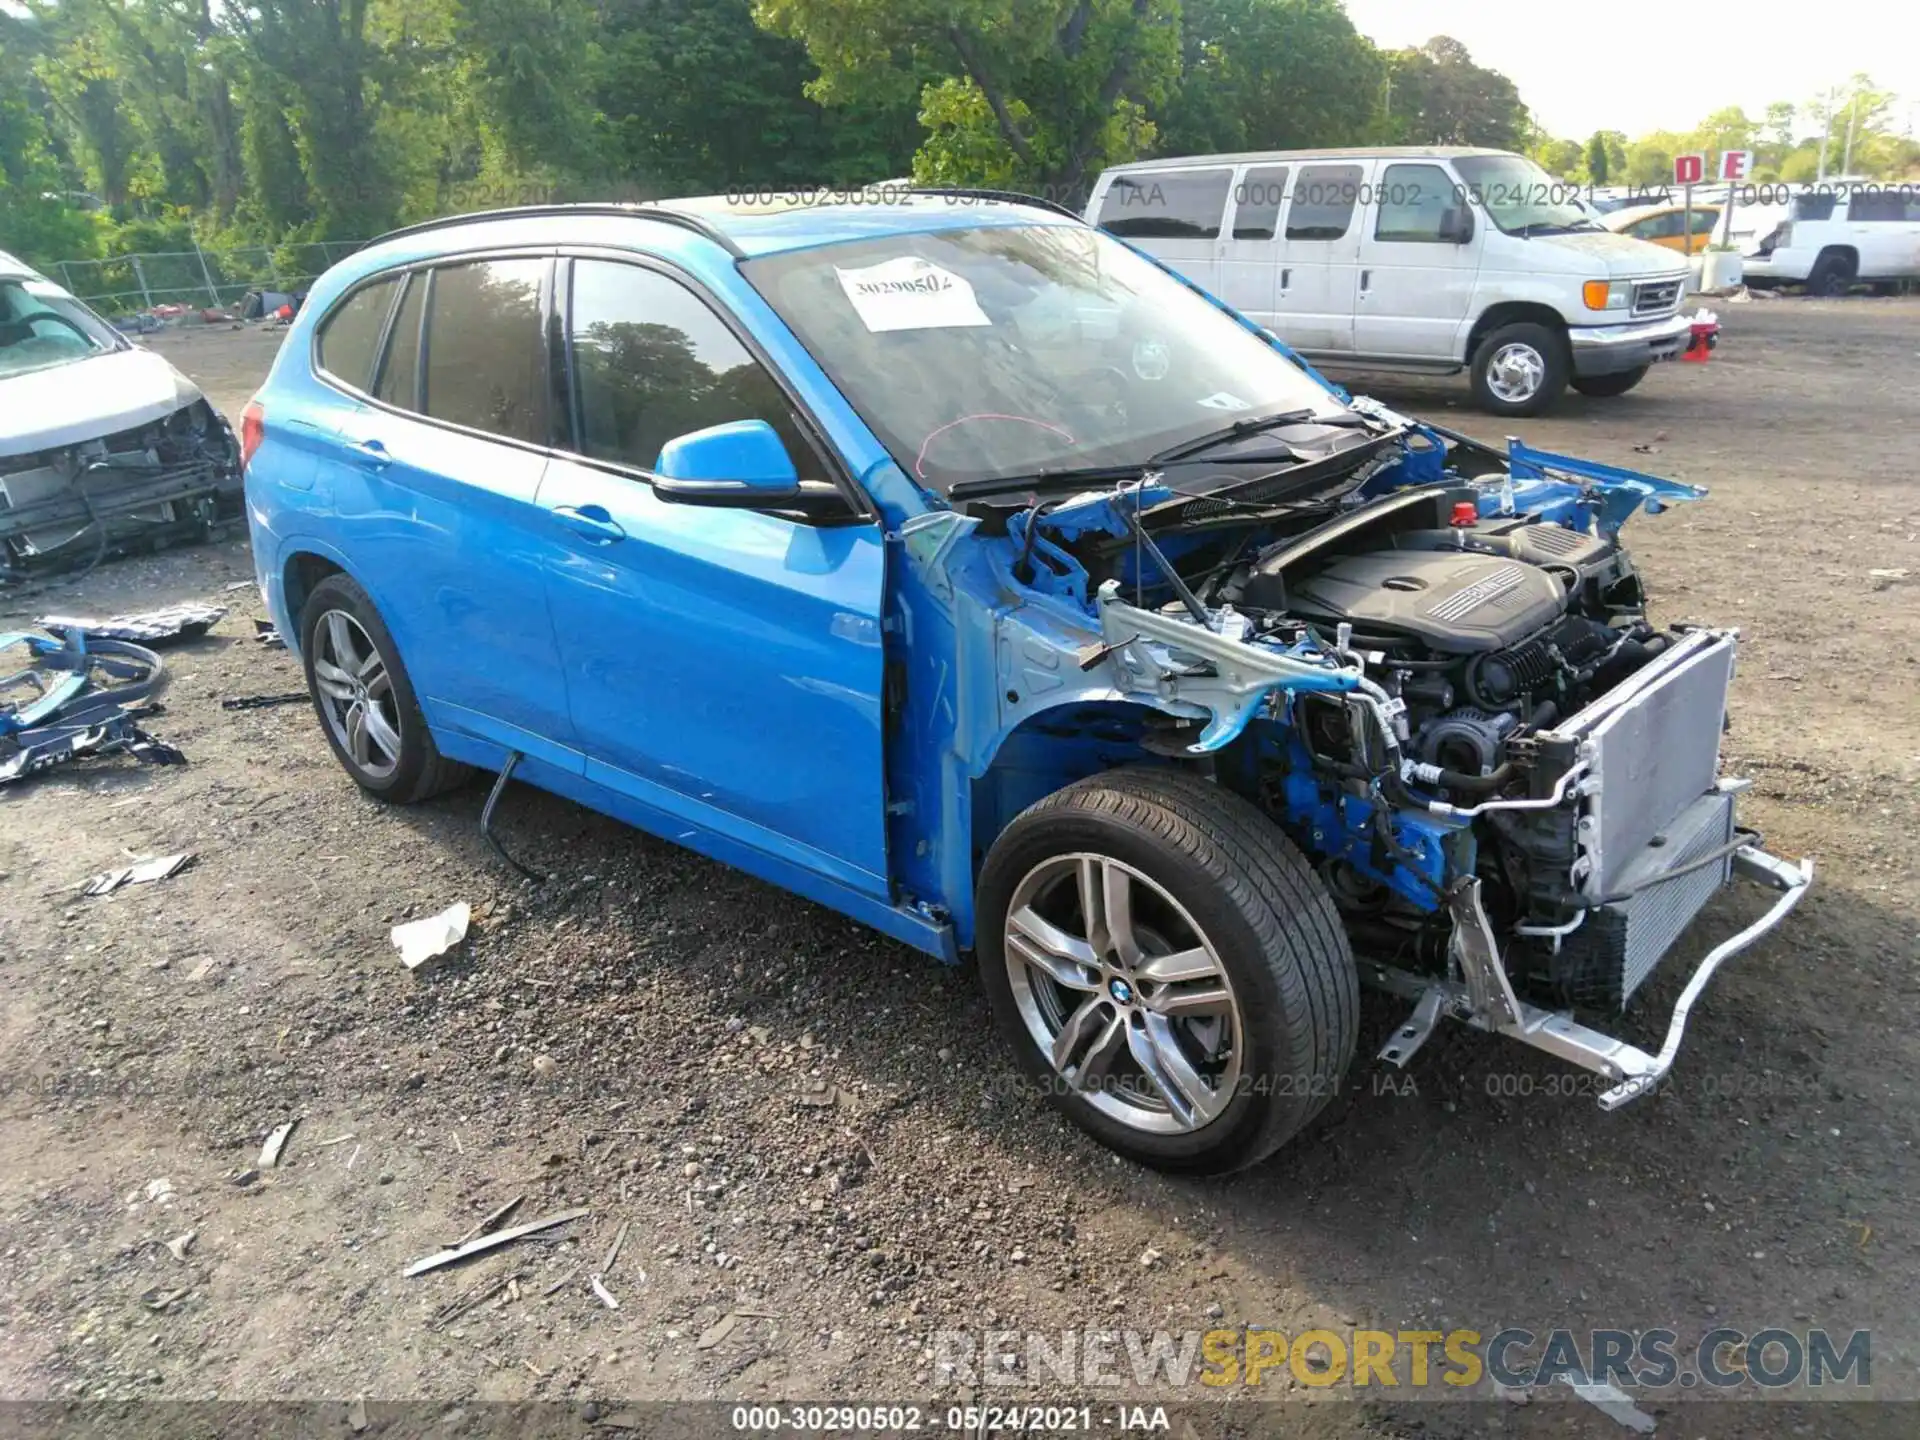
[[399, 382], [351, 334], [651, 361], [1256, 202], [1879, 207], [484, 363], [1323, 202], [1166, 204]]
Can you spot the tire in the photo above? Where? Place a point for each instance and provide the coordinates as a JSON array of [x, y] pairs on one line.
[[1617, 383], [1499, 360], [394, 759], [1832, 275], [1211, 882]]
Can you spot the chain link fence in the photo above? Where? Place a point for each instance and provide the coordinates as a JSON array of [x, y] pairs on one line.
[[197, 278]]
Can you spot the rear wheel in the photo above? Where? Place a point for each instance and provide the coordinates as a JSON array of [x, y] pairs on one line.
[[365, 700], [1832, 274], [1519, 369], [1168, 968], [1617, 383]]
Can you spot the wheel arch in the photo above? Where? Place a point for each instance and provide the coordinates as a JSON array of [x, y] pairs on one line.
[[1514, 312], [304, 562], [1045, 752]]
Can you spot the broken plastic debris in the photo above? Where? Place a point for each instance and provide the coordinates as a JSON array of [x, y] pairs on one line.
[[419, 941], [1614, 1403], [276, 1141], [176, 622], [143, 873]]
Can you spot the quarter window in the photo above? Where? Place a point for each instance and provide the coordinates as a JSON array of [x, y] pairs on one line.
[[351, 334], [484, 366], [1166, 204], [651, 361], [399, 382], [1256, 202], [1414, 201], [1323, 201]]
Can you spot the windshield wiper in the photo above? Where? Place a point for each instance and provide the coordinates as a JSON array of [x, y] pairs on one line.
[[1555, 227], [1253, 425]]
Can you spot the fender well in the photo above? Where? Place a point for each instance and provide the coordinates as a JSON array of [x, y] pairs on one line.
[[1513, 312], [303, 571], [1051, 749]]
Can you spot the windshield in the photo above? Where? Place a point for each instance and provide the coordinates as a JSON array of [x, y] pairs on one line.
[[42, 325], [1520, 197], [997, 352]]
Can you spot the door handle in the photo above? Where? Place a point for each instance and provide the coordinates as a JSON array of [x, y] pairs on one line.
[[590, 522], [372, 454], [1366, 281], [1286, 279]]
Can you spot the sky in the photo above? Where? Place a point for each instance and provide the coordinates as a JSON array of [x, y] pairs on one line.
[[1582, 67]]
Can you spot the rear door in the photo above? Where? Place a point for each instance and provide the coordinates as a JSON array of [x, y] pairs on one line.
[[1249, 243], [1313, 302], [1416, 280], [722, 666], [449, 449], [1173, 215]]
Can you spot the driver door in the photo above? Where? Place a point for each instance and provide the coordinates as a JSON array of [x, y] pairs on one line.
[[722, 666]]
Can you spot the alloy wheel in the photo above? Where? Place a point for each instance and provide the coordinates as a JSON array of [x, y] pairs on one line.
[[356, 694], [1123, 993], [1516, 372]]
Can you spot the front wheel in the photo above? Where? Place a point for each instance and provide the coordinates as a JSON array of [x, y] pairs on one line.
[[1519, 369], [1168, 968], [1617, 383]]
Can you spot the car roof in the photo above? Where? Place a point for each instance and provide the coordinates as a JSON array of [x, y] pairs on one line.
[[14, 269], [749, 226], [1253, 157]]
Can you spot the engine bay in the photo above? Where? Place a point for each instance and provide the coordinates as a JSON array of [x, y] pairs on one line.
[[1474, 630]]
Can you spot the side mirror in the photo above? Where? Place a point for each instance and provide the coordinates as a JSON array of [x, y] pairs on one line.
[[741, 464], [1456, 225]]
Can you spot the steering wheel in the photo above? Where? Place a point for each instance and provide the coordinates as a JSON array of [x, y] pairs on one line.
[[920, 460]]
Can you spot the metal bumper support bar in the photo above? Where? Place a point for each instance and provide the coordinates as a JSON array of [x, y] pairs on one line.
[[1486, 1000]]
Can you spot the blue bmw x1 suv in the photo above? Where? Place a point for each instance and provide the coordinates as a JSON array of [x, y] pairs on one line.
[[950, 563]]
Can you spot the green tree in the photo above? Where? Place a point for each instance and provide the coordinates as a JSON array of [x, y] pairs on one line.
[[35, 222], [1038, 92], [694, 96], [1270, 74], [1597, 159], [1436, 95], [1562, 158]]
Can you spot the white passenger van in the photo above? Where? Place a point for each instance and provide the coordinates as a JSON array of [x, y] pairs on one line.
[[1435, 260]]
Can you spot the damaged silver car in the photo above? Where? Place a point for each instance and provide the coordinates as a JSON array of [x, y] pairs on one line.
[[104, 446]]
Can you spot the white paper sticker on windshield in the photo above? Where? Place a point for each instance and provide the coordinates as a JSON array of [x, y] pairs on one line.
[[909, 293]]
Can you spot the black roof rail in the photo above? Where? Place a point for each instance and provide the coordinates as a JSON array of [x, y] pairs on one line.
[[1011, 197], [526, 212]]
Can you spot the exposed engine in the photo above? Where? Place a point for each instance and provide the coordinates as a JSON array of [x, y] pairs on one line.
[[1483, 637], [1486, 630]]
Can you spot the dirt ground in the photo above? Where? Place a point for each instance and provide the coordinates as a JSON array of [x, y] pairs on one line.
[[647, 1033]]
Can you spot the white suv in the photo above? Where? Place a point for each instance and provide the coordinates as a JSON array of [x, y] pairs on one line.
[[1436, 260], [1829, 239]]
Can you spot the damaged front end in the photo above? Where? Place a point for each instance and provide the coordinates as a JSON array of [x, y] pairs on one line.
[[146, 486], [1443, 684]]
